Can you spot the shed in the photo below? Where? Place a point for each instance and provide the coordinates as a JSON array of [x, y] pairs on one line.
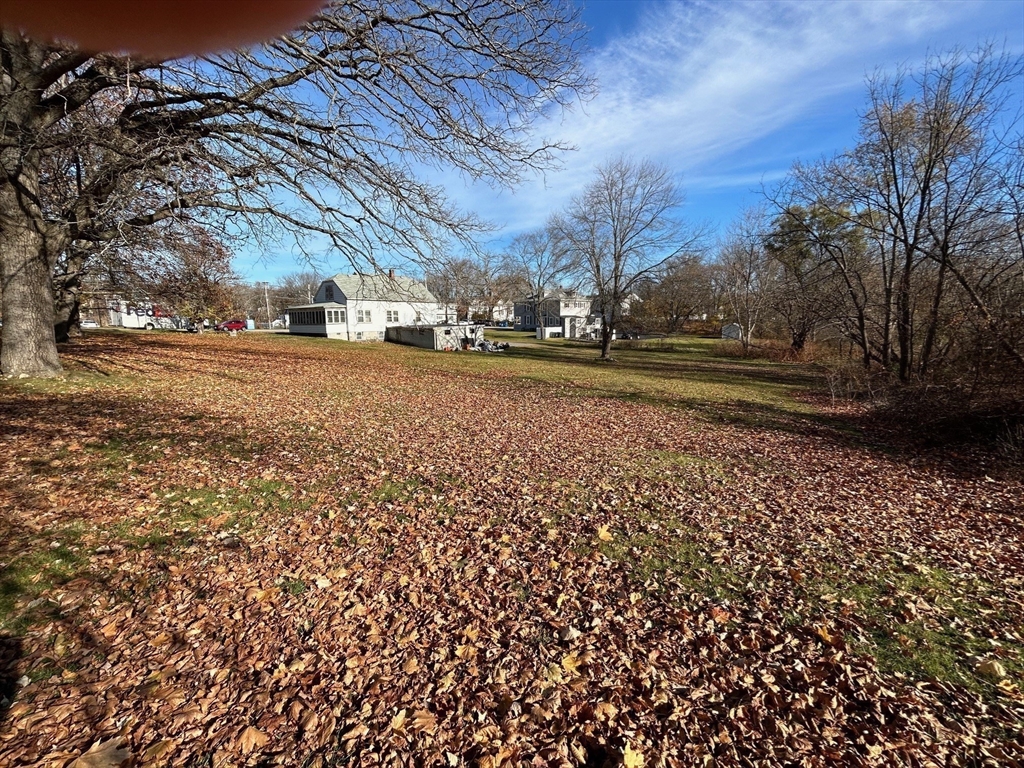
[[437, 337], [732, 331]]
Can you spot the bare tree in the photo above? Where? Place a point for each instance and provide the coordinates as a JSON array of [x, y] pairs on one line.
[[746, 273], [622, 229], [313, 133], [455, 281], [928, 187], [538, 262], [681, 292], [197, 281], [296, 288], [498, 282]]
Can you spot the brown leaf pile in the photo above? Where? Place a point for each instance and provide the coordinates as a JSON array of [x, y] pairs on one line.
[[296, 552]]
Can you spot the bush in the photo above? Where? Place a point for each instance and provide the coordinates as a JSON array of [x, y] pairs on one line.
[[770, 349]]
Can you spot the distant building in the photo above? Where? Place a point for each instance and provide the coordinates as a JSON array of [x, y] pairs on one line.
[[362, 307], [501, 311], [560, 314], [732, 331]]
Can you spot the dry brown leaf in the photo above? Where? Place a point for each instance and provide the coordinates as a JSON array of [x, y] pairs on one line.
[[103, 754], [424, 720], [571, 663], [158, 750], [251, 738], [991, 668], [398, 721], [632, 758]]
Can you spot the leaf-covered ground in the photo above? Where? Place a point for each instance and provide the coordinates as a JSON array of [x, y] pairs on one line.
[[265, 550]]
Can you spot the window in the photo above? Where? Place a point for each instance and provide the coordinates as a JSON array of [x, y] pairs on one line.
[[392, 316], [341, 315], [329, 292], [363, 316], [359, 335]]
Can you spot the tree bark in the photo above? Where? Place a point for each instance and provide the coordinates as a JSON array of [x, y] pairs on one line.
[[26, 247], [66, 315], [904, 328], [606, 341], [933, 320], [67, 287]]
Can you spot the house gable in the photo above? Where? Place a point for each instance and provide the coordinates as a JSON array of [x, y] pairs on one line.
[[328, 292]]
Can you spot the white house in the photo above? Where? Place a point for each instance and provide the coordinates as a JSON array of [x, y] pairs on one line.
[[560, 314], [362, 307]]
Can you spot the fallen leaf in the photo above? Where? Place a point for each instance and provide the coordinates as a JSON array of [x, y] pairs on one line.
[[991, 668], [103, 754], [632, 758], [251, 738]]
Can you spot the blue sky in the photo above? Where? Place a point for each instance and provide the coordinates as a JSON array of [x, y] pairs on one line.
[[728, 95]]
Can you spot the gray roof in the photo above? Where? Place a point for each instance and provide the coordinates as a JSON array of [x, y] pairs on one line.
[[382, 287]]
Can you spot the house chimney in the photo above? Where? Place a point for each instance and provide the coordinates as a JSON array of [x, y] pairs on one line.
[[391, 274]]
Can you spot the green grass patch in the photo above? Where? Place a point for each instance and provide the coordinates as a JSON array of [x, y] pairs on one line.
[[294, 587], [684, 374], [396, 490], [31, 573], [177, 522], [925, 624], [677, 552]]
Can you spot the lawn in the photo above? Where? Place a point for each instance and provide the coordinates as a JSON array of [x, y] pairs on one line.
[[272, 550]]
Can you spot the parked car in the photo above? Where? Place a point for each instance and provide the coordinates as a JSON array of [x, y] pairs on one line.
[[88, 324], [231, 325]]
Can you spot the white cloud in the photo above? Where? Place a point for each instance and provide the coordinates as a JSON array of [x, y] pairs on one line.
[[728, 94], [695, 83]]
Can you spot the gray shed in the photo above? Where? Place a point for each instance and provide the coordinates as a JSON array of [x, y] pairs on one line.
[[437, 337]]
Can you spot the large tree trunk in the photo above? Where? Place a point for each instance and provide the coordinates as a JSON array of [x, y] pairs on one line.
[[798, 339], [67, 289], [66, 317], [606, 341], [29, 347]]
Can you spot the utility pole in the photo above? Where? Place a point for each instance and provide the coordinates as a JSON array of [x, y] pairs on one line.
[[266, 296]]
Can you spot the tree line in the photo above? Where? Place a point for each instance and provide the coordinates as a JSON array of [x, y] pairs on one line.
[[901, 257], [906, 248]]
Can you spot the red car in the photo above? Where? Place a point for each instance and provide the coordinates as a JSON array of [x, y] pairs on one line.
[[231, 325]]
